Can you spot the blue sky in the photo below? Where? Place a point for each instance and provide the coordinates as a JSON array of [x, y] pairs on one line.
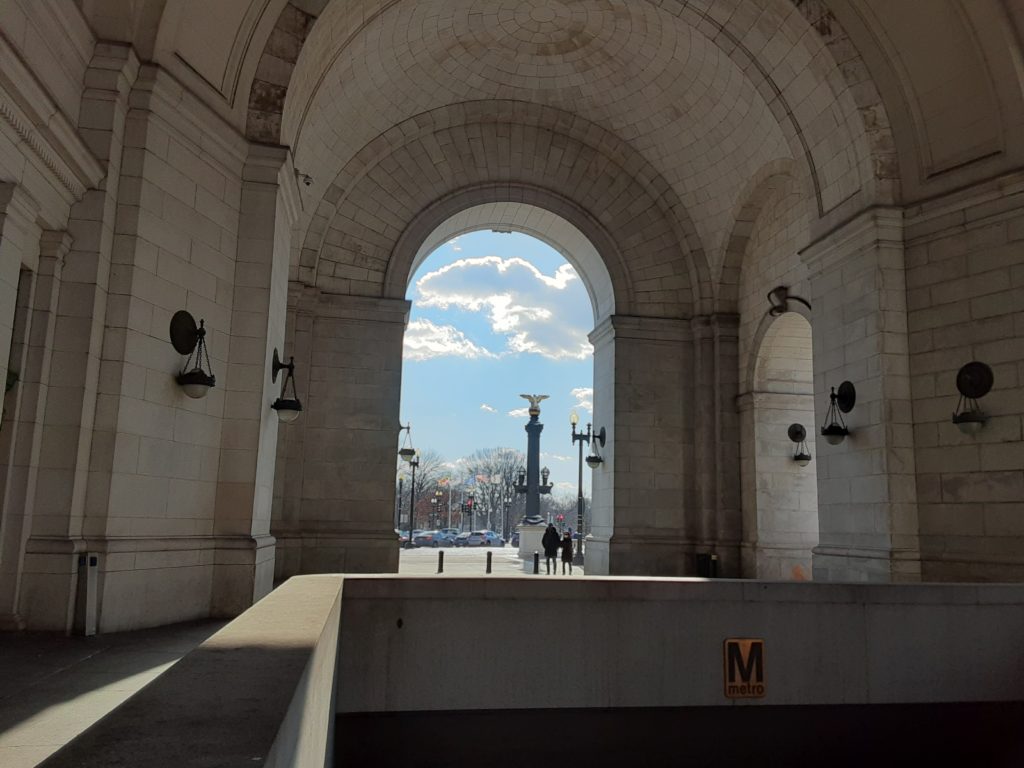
[[495, 315]]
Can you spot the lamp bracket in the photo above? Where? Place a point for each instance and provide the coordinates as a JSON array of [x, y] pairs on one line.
[[797, 433], [779, 298], [276, 365], [600, 436]]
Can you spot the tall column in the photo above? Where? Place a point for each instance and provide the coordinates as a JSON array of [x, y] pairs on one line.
[[651, 531], [49, 576], [533, 429], [867, 496], [244, 555], [25, 425], [345, 519], [19, 245], [715, 423]]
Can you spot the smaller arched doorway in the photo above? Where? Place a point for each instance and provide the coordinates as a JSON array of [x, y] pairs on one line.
[[780, 497]]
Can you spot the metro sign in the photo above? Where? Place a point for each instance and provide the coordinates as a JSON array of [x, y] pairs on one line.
[[744, 668]]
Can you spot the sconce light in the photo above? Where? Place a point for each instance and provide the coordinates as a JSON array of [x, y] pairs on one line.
[[288, 408], [798, 435], [188, 339], [974, 380], [779, 298], [840, 402], [544, 475]]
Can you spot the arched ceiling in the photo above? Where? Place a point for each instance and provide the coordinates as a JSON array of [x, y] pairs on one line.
[[683, 89], [870, 101]]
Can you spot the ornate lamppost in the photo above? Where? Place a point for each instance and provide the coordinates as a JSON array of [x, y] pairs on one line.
[[530, 482], [593, 461], [409, 454]]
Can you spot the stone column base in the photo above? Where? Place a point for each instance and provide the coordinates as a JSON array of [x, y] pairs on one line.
[[302, 553], [623, 555], [849, 564]]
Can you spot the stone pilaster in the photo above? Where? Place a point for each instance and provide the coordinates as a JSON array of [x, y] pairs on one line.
[[345, 518], [24, 423], [867, 497], [50, 570], [651, 443], [715, 502], [244, 553]]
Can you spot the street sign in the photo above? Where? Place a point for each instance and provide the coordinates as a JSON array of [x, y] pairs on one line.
[[744, 668]]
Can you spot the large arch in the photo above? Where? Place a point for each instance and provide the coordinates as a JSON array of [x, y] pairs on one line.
[[576, 166], [780, 511]]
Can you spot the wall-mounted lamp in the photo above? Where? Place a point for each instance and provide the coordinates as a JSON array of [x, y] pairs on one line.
[[798, 435], [779, 298], [974, 380], [189, 339], [840, 402], [288, 408]]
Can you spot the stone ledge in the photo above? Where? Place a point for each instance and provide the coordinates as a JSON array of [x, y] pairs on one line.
[[260, 691]]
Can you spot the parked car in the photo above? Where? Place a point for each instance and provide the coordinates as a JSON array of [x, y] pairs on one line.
[[484, 539], [433, 539], [462, 539]]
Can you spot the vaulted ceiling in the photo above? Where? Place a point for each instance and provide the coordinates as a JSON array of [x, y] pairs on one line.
[[864, 101]]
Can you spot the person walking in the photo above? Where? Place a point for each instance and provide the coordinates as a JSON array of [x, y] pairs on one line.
[[566, 545], [551, 545]]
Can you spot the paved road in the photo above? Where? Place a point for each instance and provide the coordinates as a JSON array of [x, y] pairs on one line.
[[470, 561]]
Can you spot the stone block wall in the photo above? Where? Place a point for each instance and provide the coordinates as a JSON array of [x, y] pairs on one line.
[[965, 302], [338, 510]]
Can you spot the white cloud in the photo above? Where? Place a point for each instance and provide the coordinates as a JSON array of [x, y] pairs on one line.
[[519, 413], [489, 409], [584, 398], [555, 457], [425, 340], [520, 302]]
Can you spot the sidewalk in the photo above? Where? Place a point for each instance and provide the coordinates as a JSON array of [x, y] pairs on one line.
[[472, 561]]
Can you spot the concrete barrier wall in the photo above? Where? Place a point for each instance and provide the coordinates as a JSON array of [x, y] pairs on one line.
[[459, 644], [259, 692]]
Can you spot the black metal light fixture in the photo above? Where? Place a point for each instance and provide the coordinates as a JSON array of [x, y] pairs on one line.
[[581, 438], [974, 380], [798, 435], [189, 339], [840, 402], [288, 408]]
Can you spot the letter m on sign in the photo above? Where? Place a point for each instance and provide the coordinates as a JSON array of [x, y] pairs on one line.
[[744, 668]]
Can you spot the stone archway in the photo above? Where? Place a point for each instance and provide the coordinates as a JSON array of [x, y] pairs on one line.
[[780, 507]]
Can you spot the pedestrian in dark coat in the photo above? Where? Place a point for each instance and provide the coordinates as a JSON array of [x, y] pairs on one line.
[[566, 545], [551, 544]]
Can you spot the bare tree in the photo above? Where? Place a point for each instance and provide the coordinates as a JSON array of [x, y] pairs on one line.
[[494, 471]]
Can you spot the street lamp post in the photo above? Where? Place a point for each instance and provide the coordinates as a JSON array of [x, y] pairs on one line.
[[411, 455], [592, 461]]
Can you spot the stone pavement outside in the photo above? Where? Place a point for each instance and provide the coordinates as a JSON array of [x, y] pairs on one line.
[[471, 561], [53, 687]]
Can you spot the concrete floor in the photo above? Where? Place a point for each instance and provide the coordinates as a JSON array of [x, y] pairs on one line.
[[53, 687]]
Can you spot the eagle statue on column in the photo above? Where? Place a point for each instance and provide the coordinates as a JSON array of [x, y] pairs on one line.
[[535, 403]]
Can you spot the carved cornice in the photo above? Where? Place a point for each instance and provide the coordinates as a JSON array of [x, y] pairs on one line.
[[42, 128], [31, 139]]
